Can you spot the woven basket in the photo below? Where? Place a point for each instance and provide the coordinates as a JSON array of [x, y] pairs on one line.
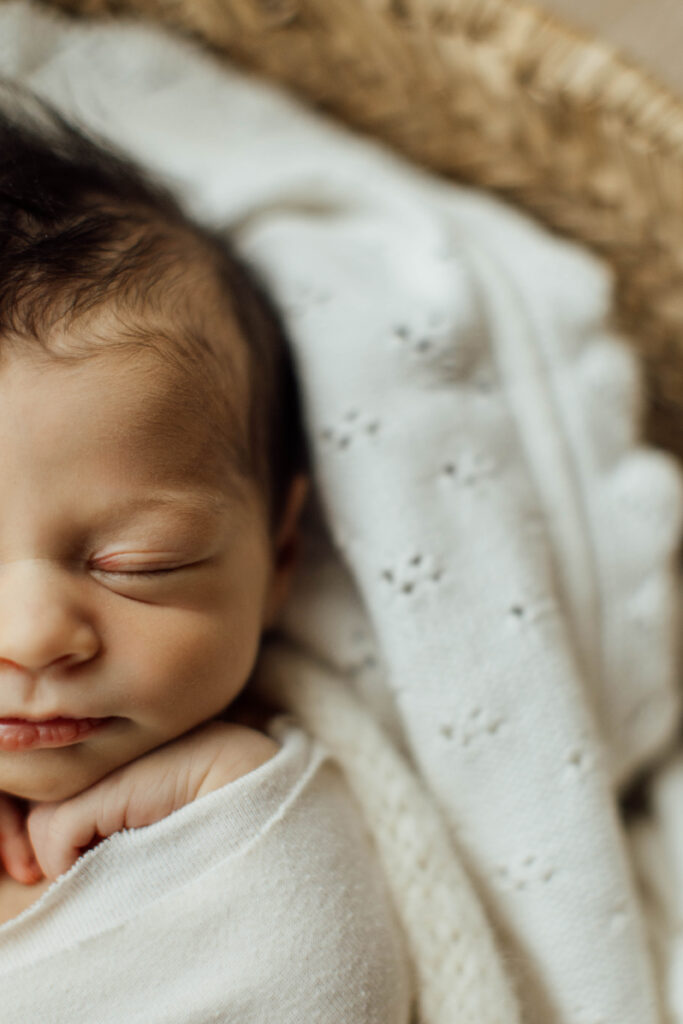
[[494, 93]]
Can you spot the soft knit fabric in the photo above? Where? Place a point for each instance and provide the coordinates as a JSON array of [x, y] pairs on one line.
[[657, 842], [488, 555], [261, 902], [457, 965]]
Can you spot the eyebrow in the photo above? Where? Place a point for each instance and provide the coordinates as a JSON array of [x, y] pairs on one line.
[[189, 504]]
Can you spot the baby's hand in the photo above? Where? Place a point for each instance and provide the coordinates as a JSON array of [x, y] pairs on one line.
[[145, 791], [16, 855]]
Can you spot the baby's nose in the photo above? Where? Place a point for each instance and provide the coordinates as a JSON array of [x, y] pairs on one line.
[[41, 623]]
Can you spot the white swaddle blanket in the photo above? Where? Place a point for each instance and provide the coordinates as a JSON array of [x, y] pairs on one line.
[[192, 920], [488, 557]]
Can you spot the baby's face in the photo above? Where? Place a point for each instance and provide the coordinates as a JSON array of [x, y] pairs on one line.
[[132, 594]]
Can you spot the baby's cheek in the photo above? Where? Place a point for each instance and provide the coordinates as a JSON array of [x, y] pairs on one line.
[[189, 665]]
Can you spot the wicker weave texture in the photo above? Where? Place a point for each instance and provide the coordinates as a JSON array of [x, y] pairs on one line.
[[496, 94]]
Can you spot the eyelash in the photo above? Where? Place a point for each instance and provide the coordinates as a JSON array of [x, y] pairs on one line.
[[141, 572]]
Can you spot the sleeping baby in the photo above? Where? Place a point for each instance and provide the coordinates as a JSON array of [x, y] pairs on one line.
[[171, 852]]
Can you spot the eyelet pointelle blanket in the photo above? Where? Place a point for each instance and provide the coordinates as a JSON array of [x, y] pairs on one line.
[[484, 627]]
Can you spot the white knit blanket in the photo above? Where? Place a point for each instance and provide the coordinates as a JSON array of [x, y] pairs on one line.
[[488, 556]]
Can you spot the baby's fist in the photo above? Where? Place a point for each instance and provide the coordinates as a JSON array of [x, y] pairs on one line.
[[145, 791]]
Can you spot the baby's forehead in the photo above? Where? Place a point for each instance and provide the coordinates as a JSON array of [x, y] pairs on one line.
[[136, 389]]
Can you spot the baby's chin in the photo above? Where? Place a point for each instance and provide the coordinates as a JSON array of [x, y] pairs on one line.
[[46, 786], [44, 790], [53, 775]]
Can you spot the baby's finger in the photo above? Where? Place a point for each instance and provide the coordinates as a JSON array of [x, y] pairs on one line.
[[16, 853], [58, 833]]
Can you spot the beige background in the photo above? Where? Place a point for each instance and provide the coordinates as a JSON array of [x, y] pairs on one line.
[[651, 31]]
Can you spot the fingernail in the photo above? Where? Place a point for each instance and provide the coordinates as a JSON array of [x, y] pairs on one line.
[[33, 868]]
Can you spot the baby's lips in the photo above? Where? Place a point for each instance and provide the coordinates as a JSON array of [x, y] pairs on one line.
[[18, 734]]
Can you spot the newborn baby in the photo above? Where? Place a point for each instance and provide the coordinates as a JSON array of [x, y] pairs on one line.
[[153, 476], [154, 470]]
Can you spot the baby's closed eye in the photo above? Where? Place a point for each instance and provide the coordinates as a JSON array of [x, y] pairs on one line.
[[142, 572]]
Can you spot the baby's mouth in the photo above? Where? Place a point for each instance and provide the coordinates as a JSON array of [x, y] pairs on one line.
[[18, 734]]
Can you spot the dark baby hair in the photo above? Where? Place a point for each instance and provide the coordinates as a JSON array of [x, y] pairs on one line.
[[81, 227]]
